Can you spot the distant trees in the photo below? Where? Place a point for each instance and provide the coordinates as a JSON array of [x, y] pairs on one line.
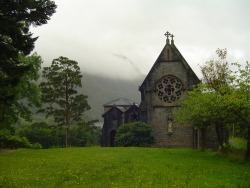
[[59, 92], [134, 134], [15, 38], [83, 134], [221, 100], [86, 134]]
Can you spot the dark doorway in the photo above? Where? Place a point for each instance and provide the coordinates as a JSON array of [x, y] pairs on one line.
[[112, 138]]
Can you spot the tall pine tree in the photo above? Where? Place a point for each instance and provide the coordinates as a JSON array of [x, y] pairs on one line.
[[59, 92]]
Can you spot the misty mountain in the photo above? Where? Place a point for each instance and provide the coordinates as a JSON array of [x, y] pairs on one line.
[[101, 90]]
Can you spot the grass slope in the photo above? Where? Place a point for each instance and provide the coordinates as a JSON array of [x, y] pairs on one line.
[[120, 167]]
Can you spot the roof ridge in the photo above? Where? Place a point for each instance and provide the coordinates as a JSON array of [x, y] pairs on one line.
[[125, 101]]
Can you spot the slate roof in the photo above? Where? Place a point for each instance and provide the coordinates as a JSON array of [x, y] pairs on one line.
[[120, 102]]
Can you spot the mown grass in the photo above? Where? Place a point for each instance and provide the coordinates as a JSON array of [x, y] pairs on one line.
[[120, 167]]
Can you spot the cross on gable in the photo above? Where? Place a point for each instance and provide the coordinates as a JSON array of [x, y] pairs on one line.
[[167, 34], [172, 36]]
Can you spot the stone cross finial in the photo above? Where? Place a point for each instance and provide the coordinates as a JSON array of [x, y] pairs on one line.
[[167, 34], [172, 36]]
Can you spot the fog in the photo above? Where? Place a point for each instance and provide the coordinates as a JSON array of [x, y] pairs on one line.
[[123, 38]]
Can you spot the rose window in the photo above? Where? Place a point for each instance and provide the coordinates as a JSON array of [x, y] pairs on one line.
[[169, 89]]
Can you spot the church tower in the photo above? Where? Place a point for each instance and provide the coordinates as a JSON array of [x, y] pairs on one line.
[[163, 90]]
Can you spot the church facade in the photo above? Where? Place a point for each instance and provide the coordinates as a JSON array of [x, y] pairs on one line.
[[162, 91]]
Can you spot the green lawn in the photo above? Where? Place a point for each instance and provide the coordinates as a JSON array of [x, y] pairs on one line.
[[120, 167]]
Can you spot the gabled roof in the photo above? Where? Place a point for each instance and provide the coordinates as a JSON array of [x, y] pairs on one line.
[[121, 108], [170, 53], [120, 102]]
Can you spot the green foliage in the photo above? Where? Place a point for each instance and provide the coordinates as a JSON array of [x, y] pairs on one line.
[[15, 19], [119, 167], [238, 144], [36, 146], [38, 133], [134, 134], [4, 137], [27, 94], [222, 100], [59, 93], [15, 142], [9, 141], [86, 134], [235, 150]]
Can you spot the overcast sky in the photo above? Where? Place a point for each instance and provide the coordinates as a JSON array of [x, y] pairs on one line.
[[123, 38]]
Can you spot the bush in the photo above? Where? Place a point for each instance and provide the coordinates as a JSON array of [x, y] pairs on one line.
[[15, 142], [4, 137], [235, 149], [134, 134], [36, 146], [38, 133], [9, 141]]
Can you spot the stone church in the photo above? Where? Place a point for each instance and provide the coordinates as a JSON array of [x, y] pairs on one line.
[[163, 90]]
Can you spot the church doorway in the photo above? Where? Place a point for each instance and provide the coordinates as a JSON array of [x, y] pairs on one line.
[[112, 138]]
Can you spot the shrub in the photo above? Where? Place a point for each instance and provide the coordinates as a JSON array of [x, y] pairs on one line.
[[4, 137], [134, 134], [36, 146], [38, 133], [15, 142], [9, 141], [236, 148]]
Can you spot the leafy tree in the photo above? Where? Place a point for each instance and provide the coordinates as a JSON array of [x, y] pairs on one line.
[[240, 101], [217, 79], [134, 134], [216, 73], [15, 38], [222, 99], [59, 92], [205, 105], [27, 93], [202, 109]]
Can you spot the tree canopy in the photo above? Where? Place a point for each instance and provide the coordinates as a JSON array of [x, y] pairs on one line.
[[15, 38], [27, 93]]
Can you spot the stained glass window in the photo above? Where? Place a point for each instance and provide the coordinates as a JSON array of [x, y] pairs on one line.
[[169, 89]]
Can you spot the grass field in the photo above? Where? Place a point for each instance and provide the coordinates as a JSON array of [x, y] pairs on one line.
[[120, 167]]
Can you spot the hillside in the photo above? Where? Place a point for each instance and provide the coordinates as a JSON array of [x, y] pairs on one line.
[[101, 90]]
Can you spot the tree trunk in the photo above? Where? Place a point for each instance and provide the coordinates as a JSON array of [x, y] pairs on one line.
[[219, 136], [66, 137], [222, 134], [247, 154], [203, 132], [67, 112]]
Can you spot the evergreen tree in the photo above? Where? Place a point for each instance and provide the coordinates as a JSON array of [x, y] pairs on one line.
[[27, 93], [59, 92], [15, 19]]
